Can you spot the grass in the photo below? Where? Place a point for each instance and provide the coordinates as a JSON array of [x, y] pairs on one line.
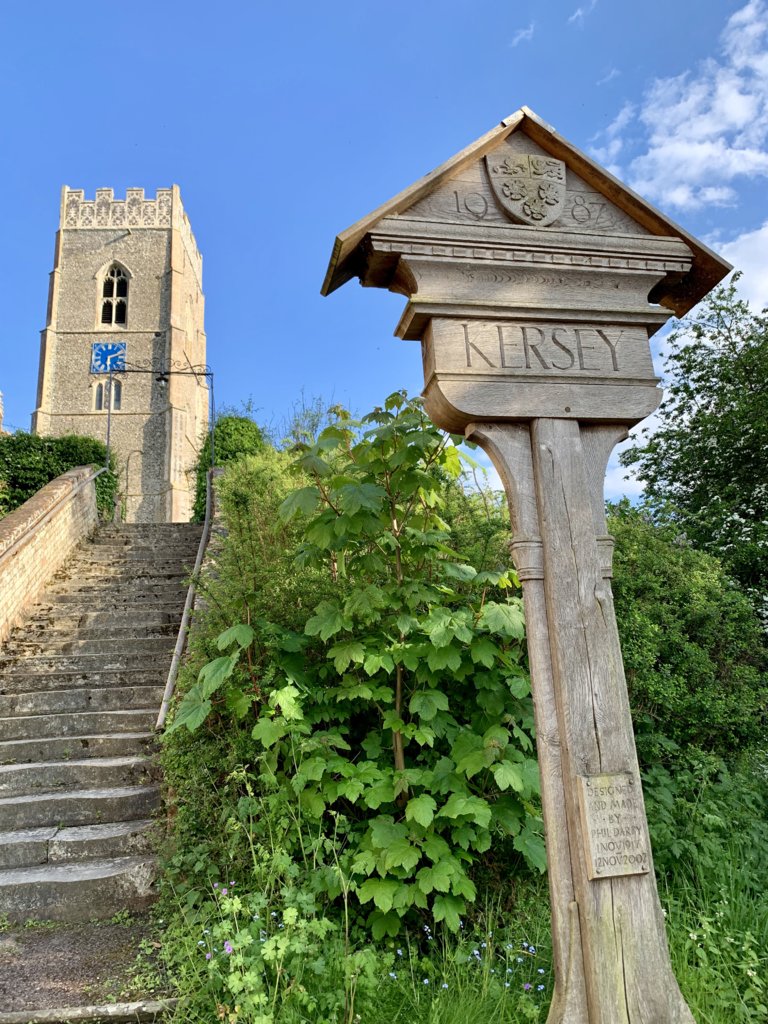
[[718, 923]]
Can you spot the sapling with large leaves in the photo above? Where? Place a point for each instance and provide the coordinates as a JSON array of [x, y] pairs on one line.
[[401, 717]]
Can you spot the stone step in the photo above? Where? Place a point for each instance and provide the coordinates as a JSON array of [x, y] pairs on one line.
[[50, 702], [19, 681], [101, 586], [52, 844], [55, 748], [132, 558], [88, 773], [112, 629], [78, 807], [82, 723], [114, 662], [147, 646], [77, 621], [117, 577], [77, 891], [164, 596]]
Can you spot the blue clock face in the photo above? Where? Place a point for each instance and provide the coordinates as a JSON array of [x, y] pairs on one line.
[[108, 355]]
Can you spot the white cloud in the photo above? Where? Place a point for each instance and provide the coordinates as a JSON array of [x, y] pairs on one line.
[[608, 76], [523, 35], [614, 140], [581, 13], [698, 133], [749, 253]]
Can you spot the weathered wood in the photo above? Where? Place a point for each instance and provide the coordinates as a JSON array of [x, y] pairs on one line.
[[509, 445], [627, 971]]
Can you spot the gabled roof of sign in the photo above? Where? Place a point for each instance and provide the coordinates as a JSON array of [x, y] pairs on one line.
[[707, 270]]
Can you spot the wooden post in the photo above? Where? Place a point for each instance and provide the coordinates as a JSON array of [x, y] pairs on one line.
[[534, 282], [611, 959]]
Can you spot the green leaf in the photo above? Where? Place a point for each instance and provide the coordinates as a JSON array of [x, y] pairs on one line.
[[383, 925], [326, 621], [402, 854], [509, 775], [286, 700], [345, 653], [384, 831], [239, 702], [191, 712], [532, 776], [312, 803], [473, 807], [304, 501], [215, 673], [364, 602], [449, 909], [472, 763], [313, 464], [269, 730], [426, 704], [354, 497], [381, 793], [437, 877], [376, 662], [421, 809], [531, 845], [520, 687], [380, 890], [458, 571], [484, 652], [504, 619], [241, 634], [444, 657]]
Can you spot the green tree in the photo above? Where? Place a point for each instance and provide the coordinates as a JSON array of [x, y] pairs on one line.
[[233, 437], [693, 648], [707, 461]]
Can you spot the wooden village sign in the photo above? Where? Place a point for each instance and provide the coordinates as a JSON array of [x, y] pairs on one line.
[[534, 280]]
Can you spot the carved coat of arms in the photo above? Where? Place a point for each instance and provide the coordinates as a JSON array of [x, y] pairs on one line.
[[530, 188]]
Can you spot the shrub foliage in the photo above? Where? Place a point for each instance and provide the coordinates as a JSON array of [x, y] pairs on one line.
[[29, 462]]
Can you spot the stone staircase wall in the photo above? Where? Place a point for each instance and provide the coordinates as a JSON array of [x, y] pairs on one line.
[[37, 538], [81, 682]]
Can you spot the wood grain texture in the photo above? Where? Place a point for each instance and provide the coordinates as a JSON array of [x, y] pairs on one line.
[[627, 972], [454, 401], [509, 447]]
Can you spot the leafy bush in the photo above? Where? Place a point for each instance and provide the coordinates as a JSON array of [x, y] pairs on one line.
[[233, 437], [694, 652], [29, 462], [397, 710]]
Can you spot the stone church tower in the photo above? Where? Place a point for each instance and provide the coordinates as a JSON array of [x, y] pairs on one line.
[[126, 295]]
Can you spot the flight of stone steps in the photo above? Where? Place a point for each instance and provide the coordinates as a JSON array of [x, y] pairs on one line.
[[81, 682]]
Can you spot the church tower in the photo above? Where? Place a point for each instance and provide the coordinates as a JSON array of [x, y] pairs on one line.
[[124, 342]]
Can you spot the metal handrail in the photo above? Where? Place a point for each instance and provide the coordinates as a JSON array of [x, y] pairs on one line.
[[181, 639], [54, 508]]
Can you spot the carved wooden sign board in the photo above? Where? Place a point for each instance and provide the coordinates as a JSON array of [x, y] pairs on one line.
[[534, 280]]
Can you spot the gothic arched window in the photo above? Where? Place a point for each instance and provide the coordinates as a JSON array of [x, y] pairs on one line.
[[114, 296], [101, 396]]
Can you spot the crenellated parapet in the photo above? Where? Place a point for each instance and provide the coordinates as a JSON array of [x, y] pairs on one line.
[[136, 211]]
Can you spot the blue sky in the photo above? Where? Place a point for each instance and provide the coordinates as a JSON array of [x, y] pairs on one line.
[[285, 123]]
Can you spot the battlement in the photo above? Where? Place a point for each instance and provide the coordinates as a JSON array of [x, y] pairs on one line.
[[136, 211]]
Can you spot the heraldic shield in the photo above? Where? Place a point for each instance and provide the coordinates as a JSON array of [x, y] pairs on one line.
[[531, 188]]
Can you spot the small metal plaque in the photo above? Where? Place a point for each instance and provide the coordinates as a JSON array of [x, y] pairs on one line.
[[613, 821]]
